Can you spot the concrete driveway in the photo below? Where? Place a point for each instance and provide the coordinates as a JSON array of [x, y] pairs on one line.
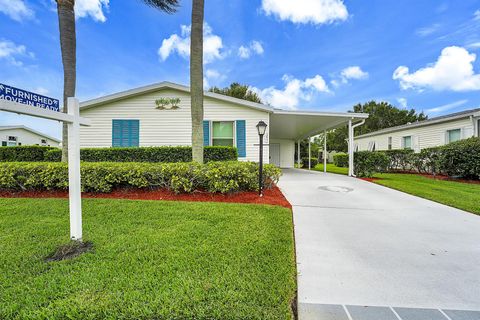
[[369, 252]]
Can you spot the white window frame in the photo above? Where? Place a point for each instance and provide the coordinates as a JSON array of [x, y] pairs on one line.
[[210, 128], [371, 145], [447, 135], [411, 142]]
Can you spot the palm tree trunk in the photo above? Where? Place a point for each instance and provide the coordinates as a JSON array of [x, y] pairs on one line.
[[66, 22], [196, 79]]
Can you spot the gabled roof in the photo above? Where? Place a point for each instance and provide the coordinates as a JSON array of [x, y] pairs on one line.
[[169, 85], [445, 118], [31, 130]]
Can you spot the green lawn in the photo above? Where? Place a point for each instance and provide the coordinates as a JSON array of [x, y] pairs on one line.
[[456, 194], [331, 168], [151, 260]]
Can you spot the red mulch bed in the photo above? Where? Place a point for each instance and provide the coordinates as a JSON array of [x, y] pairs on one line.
[[272, 196], [440, 177]]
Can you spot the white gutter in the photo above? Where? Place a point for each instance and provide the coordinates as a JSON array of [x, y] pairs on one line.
[[351, 146]]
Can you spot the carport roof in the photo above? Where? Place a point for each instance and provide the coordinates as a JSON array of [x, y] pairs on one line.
[[298, 125]]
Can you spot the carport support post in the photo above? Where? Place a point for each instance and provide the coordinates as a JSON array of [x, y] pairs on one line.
[[309, 154], [298, 154], [325, 151], [350, 148], [74, 190]]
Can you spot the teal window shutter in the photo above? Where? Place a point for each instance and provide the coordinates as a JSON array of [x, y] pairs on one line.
[[206, 133], [125, 133], [241, 138]]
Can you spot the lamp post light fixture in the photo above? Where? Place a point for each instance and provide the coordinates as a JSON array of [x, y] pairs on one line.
[[261, 128]]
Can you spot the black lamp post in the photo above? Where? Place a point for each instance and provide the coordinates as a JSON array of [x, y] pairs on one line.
[[261, 128]]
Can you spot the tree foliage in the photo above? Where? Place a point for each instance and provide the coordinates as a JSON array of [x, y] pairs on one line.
[[239, 91]]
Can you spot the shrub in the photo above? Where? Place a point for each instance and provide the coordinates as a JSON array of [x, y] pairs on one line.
[[313, 162], [341, 160], [149, 154], [399, 159], [461, 158], [367, 163], [25, 153], [223, 177], [426, 161]]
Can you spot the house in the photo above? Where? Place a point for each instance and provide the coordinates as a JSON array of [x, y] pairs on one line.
[[159, 115], [423, 134], [23, 136]]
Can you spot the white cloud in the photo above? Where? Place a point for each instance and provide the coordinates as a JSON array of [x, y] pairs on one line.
[[212, 45], [452, 71], [426, 31], [255, 47], [306, 11], [474, 45], [293, 93], [354, 73], [11, 51], [212, 77], [403, 102], [16, 9], [447, 106], [477, 15], [92, 8]]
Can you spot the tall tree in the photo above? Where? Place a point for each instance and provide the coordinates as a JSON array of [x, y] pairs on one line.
[[239, 91], [196, 79], [381, 115], [66, 22]]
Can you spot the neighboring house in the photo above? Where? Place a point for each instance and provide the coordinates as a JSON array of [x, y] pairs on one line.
[[423, 134], [159, 115], [11, 136]]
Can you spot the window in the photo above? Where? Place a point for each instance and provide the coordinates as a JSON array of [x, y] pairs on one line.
[[125, 133], [390, 143], [4, 143], [407, 142], [44, 142], [454, 135], [222, 133]]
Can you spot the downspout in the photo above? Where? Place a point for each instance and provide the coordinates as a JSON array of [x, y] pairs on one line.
[[352, 142]]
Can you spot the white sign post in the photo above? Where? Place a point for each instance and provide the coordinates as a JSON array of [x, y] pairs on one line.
[[23, 102]]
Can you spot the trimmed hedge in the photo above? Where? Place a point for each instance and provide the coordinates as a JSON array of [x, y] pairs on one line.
[[461, 159], [313, 162], [399, 159], [367, 163], [222, 177], [143, 154], [340, 160], [25, 153]]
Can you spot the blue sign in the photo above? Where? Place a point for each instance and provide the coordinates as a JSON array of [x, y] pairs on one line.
[[29, 98]]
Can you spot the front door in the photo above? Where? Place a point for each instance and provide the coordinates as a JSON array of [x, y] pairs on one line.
[[275, 154]]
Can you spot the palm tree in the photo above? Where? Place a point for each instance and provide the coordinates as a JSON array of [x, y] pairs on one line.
[[196, 79], [168, 6], [66, 22]]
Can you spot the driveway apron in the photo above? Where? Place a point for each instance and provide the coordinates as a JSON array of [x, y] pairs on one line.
[[369, 252]]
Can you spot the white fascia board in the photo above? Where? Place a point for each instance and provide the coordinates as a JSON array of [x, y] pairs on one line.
[[162, 85], [347, 115]]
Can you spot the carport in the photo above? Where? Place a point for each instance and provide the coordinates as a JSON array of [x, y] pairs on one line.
[[294, 126]]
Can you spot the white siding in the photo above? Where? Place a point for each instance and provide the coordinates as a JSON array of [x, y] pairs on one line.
[[168, 127], [287, 152], [422, 137], [25, 137]]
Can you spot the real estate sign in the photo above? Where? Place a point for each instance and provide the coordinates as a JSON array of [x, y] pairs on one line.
[[24, 102], [13, 94]]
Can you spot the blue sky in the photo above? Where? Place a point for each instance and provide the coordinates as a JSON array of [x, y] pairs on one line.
[[304, 54]]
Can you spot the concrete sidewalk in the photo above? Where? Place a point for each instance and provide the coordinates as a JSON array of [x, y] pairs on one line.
[[361, 244]]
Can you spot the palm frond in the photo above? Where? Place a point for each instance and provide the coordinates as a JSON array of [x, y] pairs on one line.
[[168, 6]]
